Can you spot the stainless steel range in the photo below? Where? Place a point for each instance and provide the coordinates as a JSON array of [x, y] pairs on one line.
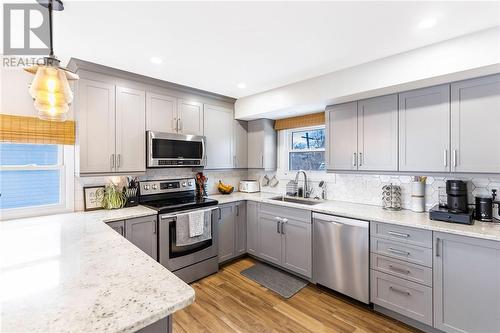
[[174, 199]]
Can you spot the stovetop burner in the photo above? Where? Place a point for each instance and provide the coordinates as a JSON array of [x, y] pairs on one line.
[[178, 204]]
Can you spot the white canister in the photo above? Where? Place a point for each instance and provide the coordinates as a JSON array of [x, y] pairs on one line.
[[418, 204], [418, 189]]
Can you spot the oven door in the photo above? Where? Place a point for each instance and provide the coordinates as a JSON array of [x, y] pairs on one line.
[[170, 150], [175, 257]]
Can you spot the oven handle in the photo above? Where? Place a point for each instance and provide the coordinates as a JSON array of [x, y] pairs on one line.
[[167, 216]]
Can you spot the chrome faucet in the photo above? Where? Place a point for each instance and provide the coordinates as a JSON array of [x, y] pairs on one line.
[[305, 191]]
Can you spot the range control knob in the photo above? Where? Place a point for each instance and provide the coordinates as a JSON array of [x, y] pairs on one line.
[[146, 187], [184, 184], [190, 183], [155, 187]]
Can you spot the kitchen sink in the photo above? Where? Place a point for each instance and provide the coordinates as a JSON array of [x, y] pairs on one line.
[[308, 202]]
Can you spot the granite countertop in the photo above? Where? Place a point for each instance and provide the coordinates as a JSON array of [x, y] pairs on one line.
[[73, 273], [408, 218]]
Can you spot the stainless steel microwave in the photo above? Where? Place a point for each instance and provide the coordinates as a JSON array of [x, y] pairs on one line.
[[165, 150]]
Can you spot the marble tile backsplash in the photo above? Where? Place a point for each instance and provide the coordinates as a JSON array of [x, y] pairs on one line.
[[357, 188]]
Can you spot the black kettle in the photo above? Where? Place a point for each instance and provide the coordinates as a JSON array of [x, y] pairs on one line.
[[485, 207]]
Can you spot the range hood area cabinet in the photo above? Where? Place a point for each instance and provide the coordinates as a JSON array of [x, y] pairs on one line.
[[262, 144], [169, 114], [111, 127], [363, 135], [446, 128]]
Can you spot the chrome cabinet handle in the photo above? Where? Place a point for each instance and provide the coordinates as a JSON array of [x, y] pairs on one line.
[[262, 161], [354, 160], [112, 161], [237, 210], [220, 214], [177, 129], [437, 247], [283, 226], [278, 226], [360, 159], [398, 234], [454, 157], [398, 251], [174, 123], [400, 291], [180, 124], [154, 227], [397, 269], [445, 159], [234, 161], [119, 160]]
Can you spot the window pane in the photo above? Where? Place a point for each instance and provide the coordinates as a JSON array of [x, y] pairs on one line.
[[24, 154], [23, 188], [310, 160], [313, 139]]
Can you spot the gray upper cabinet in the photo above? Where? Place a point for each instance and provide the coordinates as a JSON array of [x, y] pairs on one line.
[[227, 230], [130, 130], [161, 113], [190, 117], [262, 144], [342, 139], [475, 115], [424, 129], [241, 228], [142, 232], [240, 150], [297, 246], [466, 284], [378, 133], [95, 112], [218, 129], [252, 227]]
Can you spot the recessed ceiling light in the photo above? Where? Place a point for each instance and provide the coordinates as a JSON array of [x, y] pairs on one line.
[[242, 85], [427, 23], [156, 60]]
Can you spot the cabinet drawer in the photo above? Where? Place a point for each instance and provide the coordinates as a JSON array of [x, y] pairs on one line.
[[411, 253], [410, 299], [402, 269], [402, 234], [290, 213]]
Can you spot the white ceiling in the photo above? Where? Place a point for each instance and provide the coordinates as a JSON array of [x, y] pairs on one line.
[[216, 45]]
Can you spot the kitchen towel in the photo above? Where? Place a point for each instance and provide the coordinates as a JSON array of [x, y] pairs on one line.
[[182, 229], [196, 220]]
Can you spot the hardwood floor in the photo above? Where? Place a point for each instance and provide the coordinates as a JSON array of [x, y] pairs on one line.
[[229, 302]]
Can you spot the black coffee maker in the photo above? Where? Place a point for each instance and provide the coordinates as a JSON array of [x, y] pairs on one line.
[[456, 191]]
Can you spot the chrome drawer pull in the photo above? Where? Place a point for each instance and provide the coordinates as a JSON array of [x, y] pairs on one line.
[[398, 234], [401, 270], [398, 251], [399, 291]]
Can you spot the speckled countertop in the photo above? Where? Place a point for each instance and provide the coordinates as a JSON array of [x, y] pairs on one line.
[[408, 218], [72, 273]]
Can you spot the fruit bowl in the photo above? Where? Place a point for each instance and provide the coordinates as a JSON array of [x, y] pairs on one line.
[[224, 188]]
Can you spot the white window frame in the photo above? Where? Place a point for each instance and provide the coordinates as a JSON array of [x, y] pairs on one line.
[[66, 182], [285, 148]]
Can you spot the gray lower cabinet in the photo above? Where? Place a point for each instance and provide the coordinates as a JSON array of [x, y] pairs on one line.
[[232, 230], [285, 238], [118, 226], [142, 232], [252, 227], [466, 284], [227, 227]]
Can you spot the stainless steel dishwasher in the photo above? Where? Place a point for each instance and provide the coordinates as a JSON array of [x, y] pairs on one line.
[[341, 255]]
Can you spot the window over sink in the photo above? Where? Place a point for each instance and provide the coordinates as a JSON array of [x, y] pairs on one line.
[[303, 148]]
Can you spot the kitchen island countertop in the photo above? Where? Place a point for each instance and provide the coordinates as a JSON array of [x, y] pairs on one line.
[[73, 273]]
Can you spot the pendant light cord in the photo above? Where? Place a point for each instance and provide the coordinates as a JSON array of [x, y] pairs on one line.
[[51, 54]]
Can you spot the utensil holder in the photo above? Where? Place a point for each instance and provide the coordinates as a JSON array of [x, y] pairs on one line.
[[418, 197]]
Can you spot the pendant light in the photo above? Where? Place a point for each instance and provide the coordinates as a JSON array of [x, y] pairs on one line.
[[50, 88]]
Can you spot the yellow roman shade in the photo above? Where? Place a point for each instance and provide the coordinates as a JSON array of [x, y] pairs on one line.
[[21, 129], [314, 119]]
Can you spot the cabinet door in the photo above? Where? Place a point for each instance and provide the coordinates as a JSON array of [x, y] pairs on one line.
[[378, 133], [227, 230], [96, 129], [130, 130], [255, 145], [190, 117], [161, 113], [424, 129], [466, 284], [241, 228], [142, 233], [342, 137], [297, 247], [475, 116], [240, 150], [269, 239], [252, 227], [218, 129], [118, 226]]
